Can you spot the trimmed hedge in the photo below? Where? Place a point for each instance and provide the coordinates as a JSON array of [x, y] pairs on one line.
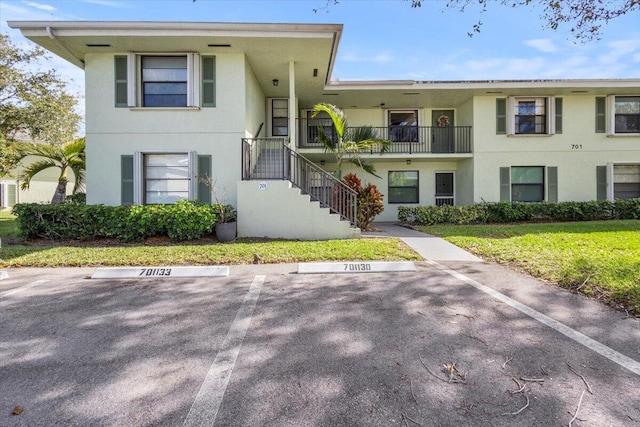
[[180, 221], [506, 212]]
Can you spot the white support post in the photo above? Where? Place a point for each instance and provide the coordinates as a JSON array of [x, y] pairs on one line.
[[293, 139]]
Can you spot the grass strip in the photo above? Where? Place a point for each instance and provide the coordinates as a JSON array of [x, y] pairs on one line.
[[241, 252], [600, 259]]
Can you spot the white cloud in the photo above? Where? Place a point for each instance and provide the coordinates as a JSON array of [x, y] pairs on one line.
[[40, 6], [543, 45]]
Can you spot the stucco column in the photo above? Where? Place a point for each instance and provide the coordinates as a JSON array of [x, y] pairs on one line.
[[293, 132]]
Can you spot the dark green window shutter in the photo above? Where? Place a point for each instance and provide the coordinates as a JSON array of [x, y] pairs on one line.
[[558, 115], [126, 174], [505, 184], [552, 184], [208, 81], [601, 107], [204, 171], [11, 194], [501, 116], [601, 182], [121, 81]]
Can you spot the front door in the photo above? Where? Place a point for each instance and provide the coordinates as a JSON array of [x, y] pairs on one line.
[[443, 133], [444, 189]]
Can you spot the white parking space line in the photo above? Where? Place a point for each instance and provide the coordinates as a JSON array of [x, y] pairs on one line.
[[204, 410], [23, 288], [590, 343]]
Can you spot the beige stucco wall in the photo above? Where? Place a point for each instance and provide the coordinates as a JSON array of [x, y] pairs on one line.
[[576, 152], [275, 209], [112, 132], [426, 176], [255, 104]]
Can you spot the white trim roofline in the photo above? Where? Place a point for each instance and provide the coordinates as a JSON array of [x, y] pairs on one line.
[[166, 27], [336, 84], [57, 30]]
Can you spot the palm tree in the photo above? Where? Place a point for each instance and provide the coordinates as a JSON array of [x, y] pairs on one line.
[[70, 156], [350, 141]]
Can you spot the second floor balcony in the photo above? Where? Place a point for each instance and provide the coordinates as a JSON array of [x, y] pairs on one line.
[[406, 139]]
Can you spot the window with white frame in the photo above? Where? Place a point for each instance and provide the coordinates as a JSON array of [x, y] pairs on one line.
[[166, 178], [627, 114], [403, 125], [403, 187], [164, 80], [279, 117], [163, 177], [530, 116], [626, 181], [527, 183], [519, 115]]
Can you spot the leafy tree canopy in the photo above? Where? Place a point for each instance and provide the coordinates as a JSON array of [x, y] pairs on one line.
[[585, 18], [33, 103]]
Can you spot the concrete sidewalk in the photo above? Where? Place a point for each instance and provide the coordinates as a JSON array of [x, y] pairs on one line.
[[429, 247]]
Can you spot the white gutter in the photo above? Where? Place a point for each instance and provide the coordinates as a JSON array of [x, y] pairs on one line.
[[77, 61]]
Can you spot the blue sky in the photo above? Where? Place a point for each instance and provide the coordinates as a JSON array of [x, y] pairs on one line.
[[386, 39]]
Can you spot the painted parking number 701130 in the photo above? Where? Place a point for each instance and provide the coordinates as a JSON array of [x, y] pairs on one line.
[[357, 267]]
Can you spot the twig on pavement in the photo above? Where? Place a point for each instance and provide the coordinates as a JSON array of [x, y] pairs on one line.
[[577, 409]]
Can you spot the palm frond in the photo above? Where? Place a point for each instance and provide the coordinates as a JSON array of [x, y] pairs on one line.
[[327, 142], [74, 149], [48, 151], [34, 168], [335, 114], [78, 168], [367, 138], [367, 167]]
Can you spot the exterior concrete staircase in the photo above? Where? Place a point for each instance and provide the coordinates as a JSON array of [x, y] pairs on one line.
[[284, 195]]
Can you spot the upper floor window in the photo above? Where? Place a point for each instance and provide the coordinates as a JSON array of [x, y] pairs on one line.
[[280, 117], [403, 125], [519, 115], [627, 114], [531, 116], [165, 81]]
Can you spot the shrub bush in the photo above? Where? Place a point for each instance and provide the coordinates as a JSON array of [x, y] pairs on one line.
[[80, 198], [370, 199], [181, 221], [507, 212]]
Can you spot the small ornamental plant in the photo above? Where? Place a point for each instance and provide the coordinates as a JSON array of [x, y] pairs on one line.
[[370, 200]]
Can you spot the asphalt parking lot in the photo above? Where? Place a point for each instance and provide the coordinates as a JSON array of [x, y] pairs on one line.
[[267, 346]]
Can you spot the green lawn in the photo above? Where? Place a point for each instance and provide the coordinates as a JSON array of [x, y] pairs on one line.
[[600, 258], [55, 254], [8, 226]]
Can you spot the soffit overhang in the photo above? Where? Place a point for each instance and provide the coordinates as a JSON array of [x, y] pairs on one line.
[[269, 48]]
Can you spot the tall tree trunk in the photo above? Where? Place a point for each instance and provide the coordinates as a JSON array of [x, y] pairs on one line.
[[61, 192]]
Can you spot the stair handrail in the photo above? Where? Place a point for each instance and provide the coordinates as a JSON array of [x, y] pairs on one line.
[[319, 184], [323, 187]]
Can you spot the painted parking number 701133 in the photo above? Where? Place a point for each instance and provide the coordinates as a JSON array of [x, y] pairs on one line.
[[155, 272]]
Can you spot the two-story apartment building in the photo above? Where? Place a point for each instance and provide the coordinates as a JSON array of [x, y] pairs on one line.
[[168, 103]]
